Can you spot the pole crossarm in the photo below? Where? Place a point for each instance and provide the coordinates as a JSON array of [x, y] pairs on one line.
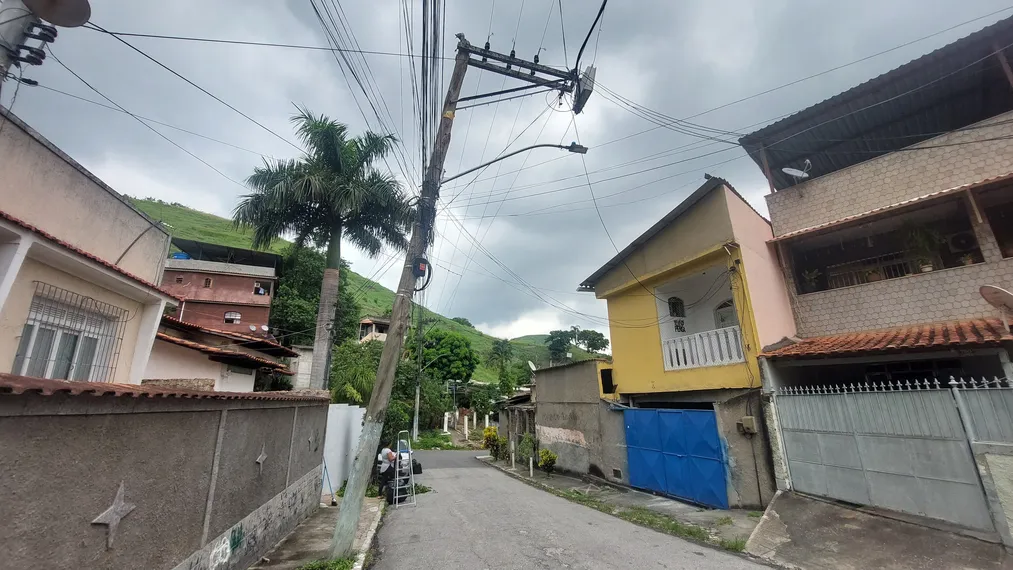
[[536, 67], [566, 86]]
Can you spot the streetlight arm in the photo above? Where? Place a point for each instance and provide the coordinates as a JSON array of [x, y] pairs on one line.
[[572, 147]]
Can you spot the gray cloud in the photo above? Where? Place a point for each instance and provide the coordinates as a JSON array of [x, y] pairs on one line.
[[677, 58]]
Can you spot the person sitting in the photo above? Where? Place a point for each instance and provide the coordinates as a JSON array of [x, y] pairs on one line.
[[388, 467]]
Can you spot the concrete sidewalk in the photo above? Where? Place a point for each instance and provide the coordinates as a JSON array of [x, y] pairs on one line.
[[311, 540], [803, 532], [723, 525]]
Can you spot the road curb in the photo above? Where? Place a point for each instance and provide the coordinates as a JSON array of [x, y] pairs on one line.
[[367, 543]]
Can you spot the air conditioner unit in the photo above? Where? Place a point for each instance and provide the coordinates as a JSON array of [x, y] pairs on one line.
[[962, 241]]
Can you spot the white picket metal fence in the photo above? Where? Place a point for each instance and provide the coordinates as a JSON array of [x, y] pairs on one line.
[[901, 445], [707, 348]]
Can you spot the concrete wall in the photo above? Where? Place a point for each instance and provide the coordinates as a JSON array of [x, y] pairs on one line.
[[698, 230], [573, 422], [995, 465], [301, 366], [895, 177], [188, 467], [212, 315], [171, 361], [18, 304], [236, 379], [46, 188], [344, 425], [224, 288]]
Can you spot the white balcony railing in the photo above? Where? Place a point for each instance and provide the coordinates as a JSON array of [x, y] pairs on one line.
[[708, 348]]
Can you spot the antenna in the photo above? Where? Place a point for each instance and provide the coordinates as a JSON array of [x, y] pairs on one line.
[[531, 365], [798, 174], [64, 13], [264, 328], [1000, 299], [253, 328]]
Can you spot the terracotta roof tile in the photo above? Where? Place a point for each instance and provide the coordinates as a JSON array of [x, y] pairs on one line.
[[216, 351], [83, 253], [176, 323], [976, 332], [10, 384]]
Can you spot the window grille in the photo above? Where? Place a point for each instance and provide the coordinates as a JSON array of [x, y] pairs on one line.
[[233, 317], [69, 337]]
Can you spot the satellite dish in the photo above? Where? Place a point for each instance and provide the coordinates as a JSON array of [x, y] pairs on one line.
[[65, 13], [264, 328], [531, 365], [1000, 299], [798, 174], [253, 328]]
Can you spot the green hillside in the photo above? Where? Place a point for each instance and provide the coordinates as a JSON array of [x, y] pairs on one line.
[[373, 298]]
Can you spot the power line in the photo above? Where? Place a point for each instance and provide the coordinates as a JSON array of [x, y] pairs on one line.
[[576, 63], [138, 119], [198, 87]]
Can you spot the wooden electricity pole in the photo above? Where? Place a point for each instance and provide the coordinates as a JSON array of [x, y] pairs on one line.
[[422, 233]]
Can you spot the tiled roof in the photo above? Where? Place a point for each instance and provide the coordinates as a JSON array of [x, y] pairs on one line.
[[83, 253], [899, 205], [216, 351], [10, 384], [252, 340], [975, 332]]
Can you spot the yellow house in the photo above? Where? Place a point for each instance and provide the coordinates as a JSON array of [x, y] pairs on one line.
[[693, 300], [691, 303]]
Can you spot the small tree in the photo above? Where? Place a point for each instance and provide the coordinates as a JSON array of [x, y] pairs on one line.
[[463, 321], [526, 448], [592, 340], [558, 342], [547, 461]]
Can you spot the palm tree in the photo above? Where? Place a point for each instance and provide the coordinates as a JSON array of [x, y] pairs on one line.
[[331, 193], [500, 354]]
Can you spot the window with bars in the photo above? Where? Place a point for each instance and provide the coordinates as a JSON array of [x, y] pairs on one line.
[[233, 317], [69, 337]]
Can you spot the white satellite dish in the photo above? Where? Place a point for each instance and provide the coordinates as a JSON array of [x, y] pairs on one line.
[[64, 13], [253, 328], [263, 328], [1000, 299], [798, 174], [531, 365]]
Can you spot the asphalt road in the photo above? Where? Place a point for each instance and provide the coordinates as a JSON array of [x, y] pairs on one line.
[[481, 519]]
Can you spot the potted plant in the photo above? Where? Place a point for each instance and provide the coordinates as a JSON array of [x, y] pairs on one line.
[[967, 259], [811, 276], [924, 243], [873, 275]]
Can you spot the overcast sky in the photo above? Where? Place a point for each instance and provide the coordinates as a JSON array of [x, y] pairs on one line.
[[678, 58]]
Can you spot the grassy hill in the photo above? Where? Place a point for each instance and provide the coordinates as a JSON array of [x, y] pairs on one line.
[[373, 298]]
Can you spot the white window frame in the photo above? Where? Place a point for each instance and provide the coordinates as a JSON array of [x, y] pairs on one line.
[[238, 319], [36, 319]]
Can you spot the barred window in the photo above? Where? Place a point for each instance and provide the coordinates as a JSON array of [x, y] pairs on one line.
[[69, 337], [233, 317]]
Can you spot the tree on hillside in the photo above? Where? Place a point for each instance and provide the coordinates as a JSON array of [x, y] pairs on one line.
[[592, 341], [331, 193], [353, 371], [295, 302], [558, 342], [448, 355], [463, 321], [500, 354]]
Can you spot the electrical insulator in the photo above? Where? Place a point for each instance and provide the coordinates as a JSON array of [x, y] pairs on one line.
[[484, 58], [513, 54]]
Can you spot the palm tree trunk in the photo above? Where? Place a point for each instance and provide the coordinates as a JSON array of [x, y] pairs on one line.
[[322, 342]]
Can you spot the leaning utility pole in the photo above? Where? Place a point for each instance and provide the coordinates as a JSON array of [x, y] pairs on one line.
[[363, 464]]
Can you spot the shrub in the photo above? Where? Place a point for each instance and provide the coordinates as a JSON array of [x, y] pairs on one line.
[[336, 564], [526, 448], [490, 436], [547, 461], [502, 448]]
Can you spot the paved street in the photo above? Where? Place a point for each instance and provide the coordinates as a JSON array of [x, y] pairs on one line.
[[479, 518]]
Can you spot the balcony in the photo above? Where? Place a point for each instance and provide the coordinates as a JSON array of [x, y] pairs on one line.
[[708, 348]]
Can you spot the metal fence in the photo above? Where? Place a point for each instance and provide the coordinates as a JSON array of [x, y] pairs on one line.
[[898, 445]]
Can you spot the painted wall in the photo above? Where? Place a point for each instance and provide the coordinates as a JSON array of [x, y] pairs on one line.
[[344, 424], [224, 288], [702, 292], [697, 231], [189, 468], [895, 177], [301, 366], [16, 308], [637, 362], [170, 361], [212, 315], [232, 380], [768, 294], [46, 188], [573, 422]]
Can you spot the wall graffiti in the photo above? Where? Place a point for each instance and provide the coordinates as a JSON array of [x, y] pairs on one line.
[[236, 537], [220, 554]]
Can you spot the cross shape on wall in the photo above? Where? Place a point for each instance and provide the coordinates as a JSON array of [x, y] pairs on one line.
[[112, 516], [262, 458]]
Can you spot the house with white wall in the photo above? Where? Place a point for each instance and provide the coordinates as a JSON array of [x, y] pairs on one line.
[[78, 268]]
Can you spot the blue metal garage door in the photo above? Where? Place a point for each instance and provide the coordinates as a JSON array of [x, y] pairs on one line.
[[678, 453]]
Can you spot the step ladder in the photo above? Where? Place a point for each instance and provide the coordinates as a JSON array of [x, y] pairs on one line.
[[404, 477]]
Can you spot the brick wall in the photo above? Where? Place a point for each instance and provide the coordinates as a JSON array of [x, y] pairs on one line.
[[202, 384], [224, 288], [941, 295], [212, 315], [895, 177]]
